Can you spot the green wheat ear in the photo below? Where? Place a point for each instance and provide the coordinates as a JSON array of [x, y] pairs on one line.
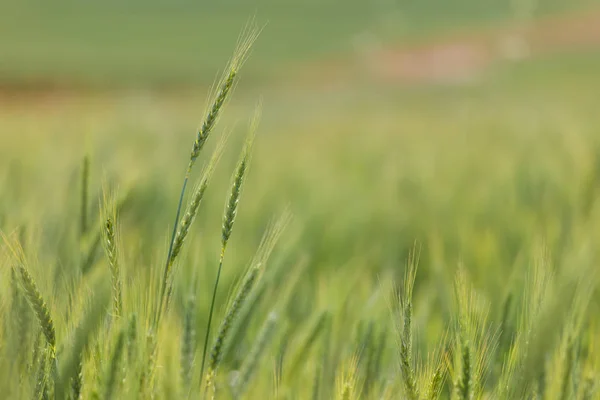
[[110, 238], [188, 342], [405, 331], [238, 302], [238, 180], [225, 86], [42, 312], [474, 345], [229, 219], [41, 379], [39, 307], [433, 374], [347, 380], [32, 293], [21, 317], [192, 208]]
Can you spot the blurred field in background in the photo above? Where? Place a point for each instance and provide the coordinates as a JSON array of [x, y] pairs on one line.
[[160, 43], [469, 126]]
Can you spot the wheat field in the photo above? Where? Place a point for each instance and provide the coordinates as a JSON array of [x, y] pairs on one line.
[[358, 244]]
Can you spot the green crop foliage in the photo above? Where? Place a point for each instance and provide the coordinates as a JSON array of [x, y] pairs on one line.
[[438, 242]]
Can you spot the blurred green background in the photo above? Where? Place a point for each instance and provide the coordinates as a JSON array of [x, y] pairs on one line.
[[384, 121], [469, 123], [162, 43]]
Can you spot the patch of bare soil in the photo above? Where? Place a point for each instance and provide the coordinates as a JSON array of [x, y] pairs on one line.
[[466, 57]]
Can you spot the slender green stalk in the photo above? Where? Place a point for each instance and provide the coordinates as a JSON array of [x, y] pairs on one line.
[[225, 87], [165, 280], [240, 298], [187, 220], [228, 221], [210, 314]]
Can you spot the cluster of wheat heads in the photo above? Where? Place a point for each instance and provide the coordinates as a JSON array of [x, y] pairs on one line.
[[106, 351], [476, 359], [123, 340]]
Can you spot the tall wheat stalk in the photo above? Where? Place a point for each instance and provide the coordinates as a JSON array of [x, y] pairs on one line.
[[219, 99], [229, 217]]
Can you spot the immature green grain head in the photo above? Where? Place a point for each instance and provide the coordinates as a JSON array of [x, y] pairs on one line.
[[41, 379], [31, 292], [194, 204], [228, 220], [347, 380], [562, 374], [404, 329], [21, 317], [534, 296], [232, 312], [188, 342], [224, 88], [241, 296], [186, 223], [474, 345], [236, 187], [110, 238], [39, 306], [260, 260], [435, 372]]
